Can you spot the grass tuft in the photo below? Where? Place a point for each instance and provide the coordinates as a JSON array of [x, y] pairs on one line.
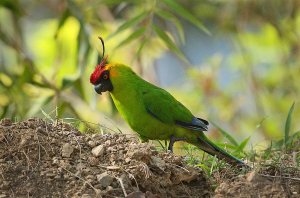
[[288, 126]]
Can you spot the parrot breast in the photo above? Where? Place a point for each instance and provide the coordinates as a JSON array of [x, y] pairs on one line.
[[128, 99]]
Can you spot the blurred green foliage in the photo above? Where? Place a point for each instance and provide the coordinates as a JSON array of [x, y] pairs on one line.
[[50, 47]]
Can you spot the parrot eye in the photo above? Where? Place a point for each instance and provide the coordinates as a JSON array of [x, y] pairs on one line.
[[105, 76]]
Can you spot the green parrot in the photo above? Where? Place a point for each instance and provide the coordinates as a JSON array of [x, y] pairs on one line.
[[152, 111]]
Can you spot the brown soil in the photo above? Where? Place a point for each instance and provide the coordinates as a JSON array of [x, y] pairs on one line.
[[42, 159], [277, 179], [255, 185]]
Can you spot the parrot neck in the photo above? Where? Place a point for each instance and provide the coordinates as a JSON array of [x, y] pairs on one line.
[[124, 88], [126, 93], [125, 84]]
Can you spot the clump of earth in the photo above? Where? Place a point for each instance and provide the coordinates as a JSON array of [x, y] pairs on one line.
[[54, 159]]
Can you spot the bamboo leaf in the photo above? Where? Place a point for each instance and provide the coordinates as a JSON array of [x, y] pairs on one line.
[[184, 13], [69, 81], [165, 37], [130, 23], [38, 84], [170, 17], [288, 125], [83, 47], [143, 43], [132, 36], [75, 11], [66, 14], [168, 41], [14, 6], [78, 85]]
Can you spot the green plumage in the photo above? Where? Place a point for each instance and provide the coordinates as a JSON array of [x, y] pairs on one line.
[[155, 114]]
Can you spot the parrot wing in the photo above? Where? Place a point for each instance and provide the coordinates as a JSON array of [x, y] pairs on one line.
[[196, 124], [163, 106]]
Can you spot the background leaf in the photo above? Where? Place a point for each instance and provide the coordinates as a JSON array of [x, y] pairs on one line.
[[168, 41], [178, 9], [132, 37], [66, 14], [170, 17], [130, 23]]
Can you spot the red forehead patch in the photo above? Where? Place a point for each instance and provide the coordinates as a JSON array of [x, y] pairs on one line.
[[98, 71]]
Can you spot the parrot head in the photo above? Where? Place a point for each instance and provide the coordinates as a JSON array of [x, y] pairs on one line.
[[100, 78]]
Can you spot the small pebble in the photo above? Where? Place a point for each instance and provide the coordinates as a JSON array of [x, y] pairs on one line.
[[104, 179], [98, 150], [67, 150]]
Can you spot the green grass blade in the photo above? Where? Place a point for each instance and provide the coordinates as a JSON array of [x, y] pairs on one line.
[[204, 167], [288, 125], [47, 115], [226, 135], [214, 162], [293, 139], [162, 146], [243, 144], [226, 146]]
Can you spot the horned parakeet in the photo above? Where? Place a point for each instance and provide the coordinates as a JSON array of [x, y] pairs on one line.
[[152, 111]]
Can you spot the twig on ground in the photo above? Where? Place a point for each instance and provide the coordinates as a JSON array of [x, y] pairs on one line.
[[283, 177], [96, 190], [122, 186], [181, 167]]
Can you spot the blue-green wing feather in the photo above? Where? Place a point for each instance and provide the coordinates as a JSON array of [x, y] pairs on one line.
[[163, 106]]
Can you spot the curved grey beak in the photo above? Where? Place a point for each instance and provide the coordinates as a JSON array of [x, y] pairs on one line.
[[98, 88]]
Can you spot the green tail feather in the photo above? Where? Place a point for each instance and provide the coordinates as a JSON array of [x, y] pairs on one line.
[[206, 145]]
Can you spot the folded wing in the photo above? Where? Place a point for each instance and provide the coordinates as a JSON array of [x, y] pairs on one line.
[[164, 107]]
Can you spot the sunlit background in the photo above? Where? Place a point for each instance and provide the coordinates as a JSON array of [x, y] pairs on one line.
[[235, 63]]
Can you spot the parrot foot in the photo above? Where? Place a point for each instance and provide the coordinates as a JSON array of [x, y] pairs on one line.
[[173, 139]]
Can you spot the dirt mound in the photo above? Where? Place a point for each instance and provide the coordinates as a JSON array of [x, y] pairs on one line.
[[268, 180], [254, 185], [41, 159]]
